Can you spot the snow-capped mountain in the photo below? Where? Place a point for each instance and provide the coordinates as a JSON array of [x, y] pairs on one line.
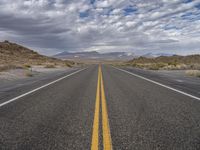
[[96, 55]]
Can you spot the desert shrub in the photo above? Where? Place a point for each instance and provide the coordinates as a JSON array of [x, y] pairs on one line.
[[134, 64], [156, 66], [27, 66], [174, 63], [68, 65], [194, 66], [50, 66], [8, 67], [39, 63], [29, 74], [195, 73], [6, 41]]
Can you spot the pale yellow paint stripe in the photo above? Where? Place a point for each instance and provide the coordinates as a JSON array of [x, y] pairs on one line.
[[107, 142], [95, 133]]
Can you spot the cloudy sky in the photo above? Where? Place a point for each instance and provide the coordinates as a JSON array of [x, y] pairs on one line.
[[139, 26]]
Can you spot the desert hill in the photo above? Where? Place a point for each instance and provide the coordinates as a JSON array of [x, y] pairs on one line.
[[14, 55], [167, 62]]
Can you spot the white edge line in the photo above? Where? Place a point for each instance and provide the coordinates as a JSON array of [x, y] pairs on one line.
[[168, 87], [41, 87]]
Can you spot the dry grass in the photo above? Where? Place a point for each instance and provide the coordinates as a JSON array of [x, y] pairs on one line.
[[26, 66], [68, 65], [194, 73], [8, 67], [50, 66], [29, 74]]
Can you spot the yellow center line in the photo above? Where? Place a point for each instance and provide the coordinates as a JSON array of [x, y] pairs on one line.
[[107, 142], [95, 133]]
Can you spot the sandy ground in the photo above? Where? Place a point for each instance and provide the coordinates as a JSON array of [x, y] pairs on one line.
[[17, 74], [12, 79]]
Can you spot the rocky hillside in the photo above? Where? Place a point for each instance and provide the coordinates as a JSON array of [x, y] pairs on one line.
[[14, 55], [169, 59], [167, 62]]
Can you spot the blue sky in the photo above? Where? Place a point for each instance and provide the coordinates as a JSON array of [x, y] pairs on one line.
[[138, 26]]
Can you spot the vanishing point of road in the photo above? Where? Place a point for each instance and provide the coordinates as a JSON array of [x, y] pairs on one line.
[[100, 107]]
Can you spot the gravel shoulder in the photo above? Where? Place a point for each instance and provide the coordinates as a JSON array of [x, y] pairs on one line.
[[16, 78], [177, 79]]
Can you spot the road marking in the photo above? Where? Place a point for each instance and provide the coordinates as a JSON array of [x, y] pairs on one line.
[[100, 97], [160, 84], [39, 88], [95, 133], [107, 142]]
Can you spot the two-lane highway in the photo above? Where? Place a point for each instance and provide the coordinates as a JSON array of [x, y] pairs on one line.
[[59, 116], [101, 108]]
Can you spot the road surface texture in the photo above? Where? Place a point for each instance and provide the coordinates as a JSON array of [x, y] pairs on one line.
[[174, 78], [100, 108]]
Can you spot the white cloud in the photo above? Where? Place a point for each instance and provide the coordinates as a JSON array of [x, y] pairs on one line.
[[122, 25]]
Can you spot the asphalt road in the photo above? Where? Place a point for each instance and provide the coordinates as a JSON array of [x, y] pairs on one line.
[[125, 112], [176, 79]]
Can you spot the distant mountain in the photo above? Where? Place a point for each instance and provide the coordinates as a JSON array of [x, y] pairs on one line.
[[68, 55], [153, 55], [95, 55]]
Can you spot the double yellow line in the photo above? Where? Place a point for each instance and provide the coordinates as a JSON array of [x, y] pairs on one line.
[[100, 97]]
